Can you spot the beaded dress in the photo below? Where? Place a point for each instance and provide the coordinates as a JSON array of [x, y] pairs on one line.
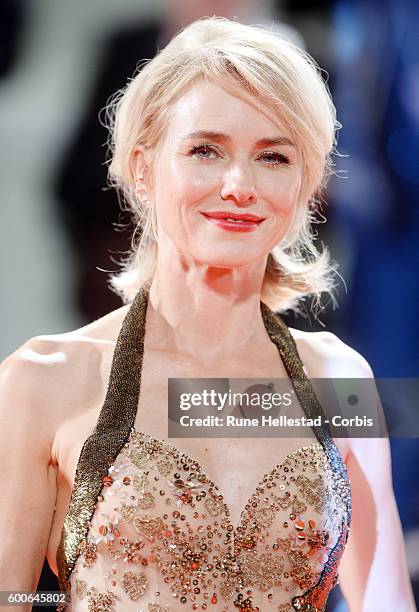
[[148, 531]]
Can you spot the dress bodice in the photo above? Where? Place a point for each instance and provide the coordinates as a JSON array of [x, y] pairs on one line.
[[148, 531]]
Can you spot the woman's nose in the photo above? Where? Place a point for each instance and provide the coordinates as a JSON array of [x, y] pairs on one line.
[[238, 185]]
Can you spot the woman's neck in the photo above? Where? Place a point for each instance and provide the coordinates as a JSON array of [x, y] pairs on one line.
[[203, 311]]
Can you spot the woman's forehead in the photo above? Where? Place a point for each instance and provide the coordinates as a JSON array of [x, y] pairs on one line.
[[207, 106]]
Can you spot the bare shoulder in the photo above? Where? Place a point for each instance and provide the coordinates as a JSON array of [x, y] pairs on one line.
[[54, 349], [102, 331], [47, 368], [325, 355]]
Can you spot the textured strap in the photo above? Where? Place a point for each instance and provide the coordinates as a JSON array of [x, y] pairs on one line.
[[112, 430]]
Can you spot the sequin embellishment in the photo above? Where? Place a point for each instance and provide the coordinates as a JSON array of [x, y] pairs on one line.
[[198, 553]]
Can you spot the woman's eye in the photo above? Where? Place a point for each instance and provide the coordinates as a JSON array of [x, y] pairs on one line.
[[275, 159], [203, 151]]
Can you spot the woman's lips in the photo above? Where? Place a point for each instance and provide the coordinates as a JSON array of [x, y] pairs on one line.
[[235, 222]]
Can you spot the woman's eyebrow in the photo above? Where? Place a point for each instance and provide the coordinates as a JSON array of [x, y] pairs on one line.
[[278, 140], [220, 137], [211, 135]]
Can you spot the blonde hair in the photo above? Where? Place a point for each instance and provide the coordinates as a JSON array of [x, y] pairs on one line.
[[244, 60]]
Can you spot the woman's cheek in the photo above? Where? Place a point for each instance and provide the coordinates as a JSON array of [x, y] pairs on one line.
[[199, 184], [288, 190]]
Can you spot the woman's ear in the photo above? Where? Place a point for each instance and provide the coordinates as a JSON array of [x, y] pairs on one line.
[[137, 162], [140, 169]]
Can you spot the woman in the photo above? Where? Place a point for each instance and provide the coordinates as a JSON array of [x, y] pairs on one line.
[[220, 145]]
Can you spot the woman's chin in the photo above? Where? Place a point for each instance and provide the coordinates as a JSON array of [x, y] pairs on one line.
[[229, 261]]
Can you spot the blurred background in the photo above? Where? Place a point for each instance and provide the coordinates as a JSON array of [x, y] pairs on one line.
[[59, 63]]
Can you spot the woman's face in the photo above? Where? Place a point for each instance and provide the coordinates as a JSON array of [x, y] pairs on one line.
[[221, 154]]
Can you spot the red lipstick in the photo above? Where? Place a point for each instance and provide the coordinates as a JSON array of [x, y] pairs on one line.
[[233, 222]]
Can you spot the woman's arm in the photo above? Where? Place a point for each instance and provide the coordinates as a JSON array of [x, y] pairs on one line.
[[373, 571], [28, 494]]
